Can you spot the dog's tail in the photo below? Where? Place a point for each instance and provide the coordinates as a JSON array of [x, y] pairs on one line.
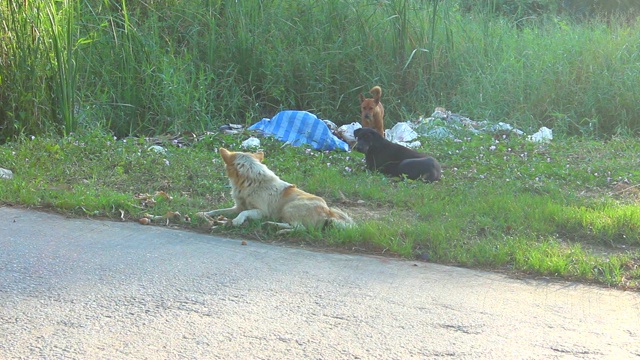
[[339, 218], [376, 91]]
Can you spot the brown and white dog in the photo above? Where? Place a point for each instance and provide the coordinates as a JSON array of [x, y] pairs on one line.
[[372, 111], [259, 193]]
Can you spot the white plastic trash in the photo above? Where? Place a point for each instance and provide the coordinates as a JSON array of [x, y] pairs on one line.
[[157, 148], [6, 174], [251, 142], [331, 125], [401, 132], [412, 145], [543, 135], [346, 132]]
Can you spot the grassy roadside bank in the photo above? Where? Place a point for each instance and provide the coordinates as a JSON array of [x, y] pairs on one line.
[[567, 209], [89, 69]]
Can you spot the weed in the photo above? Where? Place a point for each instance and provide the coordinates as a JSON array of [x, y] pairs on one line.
[[563, 209], [86, 75], [151, 68]]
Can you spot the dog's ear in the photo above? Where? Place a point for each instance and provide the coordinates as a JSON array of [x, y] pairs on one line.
[[376, 101], [361, 97], [226, 156], [356, 132], [259, 156]]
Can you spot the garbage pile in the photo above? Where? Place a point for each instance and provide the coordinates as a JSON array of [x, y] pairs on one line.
[[444, 124], [300, 127]]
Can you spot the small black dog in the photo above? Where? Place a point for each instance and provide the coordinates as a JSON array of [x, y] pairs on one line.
[[394, 159]]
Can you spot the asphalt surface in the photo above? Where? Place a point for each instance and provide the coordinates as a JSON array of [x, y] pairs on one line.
[[88, 289]]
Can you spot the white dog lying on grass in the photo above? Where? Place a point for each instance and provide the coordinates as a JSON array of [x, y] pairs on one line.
[[259, 193]]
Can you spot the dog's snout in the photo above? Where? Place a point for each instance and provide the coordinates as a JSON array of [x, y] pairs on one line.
[[360, 147]]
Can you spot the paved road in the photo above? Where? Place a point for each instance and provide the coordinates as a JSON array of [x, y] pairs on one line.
[[86, 289]]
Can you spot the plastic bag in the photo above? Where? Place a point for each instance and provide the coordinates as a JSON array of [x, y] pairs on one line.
[[345, 132], [543, 135], [401, 133]]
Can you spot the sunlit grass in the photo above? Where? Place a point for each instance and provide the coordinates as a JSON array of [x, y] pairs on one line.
[[93, 69], [565, 209]]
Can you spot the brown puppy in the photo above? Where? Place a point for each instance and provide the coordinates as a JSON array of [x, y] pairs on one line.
[[373, 111]]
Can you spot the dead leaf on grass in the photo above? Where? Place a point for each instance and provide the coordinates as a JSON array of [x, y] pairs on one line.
[[162, 194], [212, 222], [168, 217], [149, 200]]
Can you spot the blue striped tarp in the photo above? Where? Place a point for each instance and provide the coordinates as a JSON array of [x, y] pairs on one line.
[[300, 127]]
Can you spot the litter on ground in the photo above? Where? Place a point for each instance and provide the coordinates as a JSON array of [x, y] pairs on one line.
[[444, 124], [251, 143], [298, 128]]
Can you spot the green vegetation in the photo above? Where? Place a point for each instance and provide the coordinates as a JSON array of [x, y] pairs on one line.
[[82, 82], [168, 66], [566, 209]]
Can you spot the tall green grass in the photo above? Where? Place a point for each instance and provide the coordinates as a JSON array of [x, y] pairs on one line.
[[24, 96], [168, 66], [61, 28]]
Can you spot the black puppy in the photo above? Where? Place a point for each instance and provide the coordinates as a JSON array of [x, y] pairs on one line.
[[394, 159]]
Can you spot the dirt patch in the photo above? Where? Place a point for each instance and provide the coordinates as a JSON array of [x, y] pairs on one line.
[[361, 211], [626, 191]]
